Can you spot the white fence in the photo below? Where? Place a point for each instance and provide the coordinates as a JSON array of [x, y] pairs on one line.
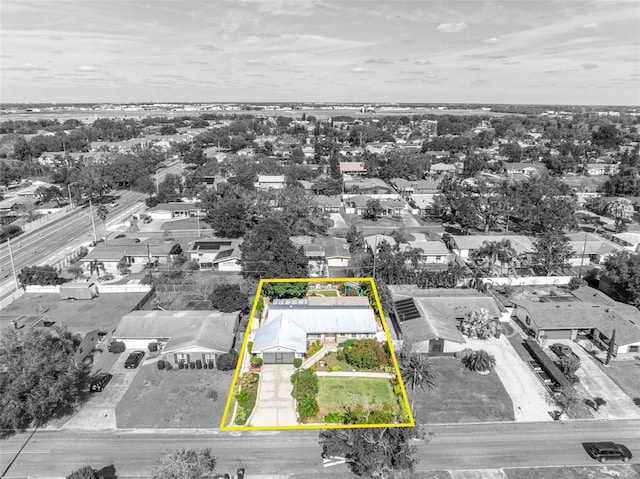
[[529, 281], [11, 298], [43, 220]]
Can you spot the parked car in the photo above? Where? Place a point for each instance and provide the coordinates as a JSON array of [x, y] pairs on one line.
[[604, 451], [147, 219], [563, 350], [134, 359], [99, 382]]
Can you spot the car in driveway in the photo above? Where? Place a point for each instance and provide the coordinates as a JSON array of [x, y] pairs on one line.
[[563, 351], [605, 451], [133, 360], [99, 382]]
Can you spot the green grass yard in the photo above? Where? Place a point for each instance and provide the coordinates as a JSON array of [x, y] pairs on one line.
[[462, 396], [324, 292], [174, 399], [337, 392], [626, 374]]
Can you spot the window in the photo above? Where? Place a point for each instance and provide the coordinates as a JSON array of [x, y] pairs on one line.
[[528, 320], [182, 357], [353, 335], [438, 258], [634, 349]]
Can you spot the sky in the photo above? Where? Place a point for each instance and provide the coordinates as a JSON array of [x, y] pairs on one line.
[[514, 51]]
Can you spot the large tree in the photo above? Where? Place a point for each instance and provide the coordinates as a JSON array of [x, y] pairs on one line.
[[620, 210], [622, 271], [267, 252], [376, 453], [229, 297], [39, 379], [551, 251], [184, 464]]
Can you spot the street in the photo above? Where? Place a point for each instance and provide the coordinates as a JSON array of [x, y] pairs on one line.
[[464, 446]]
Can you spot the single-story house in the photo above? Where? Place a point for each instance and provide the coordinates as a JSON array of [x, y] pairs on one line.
[[182, 336], [526, 169], [433, 252], [440, 168], [265, 182], [328, 204], [429, 319], [628, 240], [590, 249], [374, 241], [353, 167], [597, 169], [388, 207], [407, 187], [586, 312], [465, 245], [372, 186], [169, 211], [324, 251], [292, 323], [216, 253], [136, 255]]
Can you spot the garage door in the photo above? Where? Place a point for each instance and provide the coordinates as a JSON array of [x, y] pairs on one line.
[[558, 333], [278, 358]]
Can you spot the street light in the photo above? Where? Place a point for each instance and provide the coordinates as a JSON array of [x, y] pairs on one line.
[[69, 190], [13, 266], [93, 223]]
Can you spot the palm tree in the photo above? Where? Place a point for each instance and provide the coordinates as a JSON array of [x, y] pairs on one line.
[[102, 214], [492, 251], [480, 361], [96, 266], [418, 371]]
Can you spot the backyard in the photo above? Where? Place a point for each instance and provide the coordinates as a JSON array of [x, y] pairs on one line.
[[462, 396], [337, 393], [193, 398]]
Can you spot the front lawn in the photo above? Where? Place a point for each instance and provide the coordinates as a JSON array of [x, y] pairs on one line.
[[180, 398], [462, 396], [336, 393], [625, 374]]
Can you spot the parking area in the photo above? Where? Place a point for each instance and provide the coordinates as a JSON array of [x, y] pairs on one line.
[[595, 383], [99, 411]]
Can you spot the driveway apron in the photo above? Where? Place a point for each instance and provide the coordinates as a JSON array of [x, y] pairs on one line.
[[274, 405]]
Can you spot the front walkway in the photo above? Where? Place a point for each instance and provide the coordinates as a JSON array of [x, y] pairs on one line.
[[275, 405], [526, 392]]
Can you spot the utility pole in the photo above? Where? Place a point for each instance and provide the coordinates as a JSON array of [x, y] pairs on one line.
[[13, 267], [93, 224], [584, 247]]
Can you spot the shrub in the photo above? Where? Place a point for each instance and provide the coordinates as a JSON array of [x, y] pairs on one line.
[[249, 346], [227, 362], [297, 362], [366, 354], [161, 364], [335, 417], [308, 406], [575, 283], [85, 472], [480, 361], [198, 363], [168, 366], [335, 368], [181, 365], [213, 395], [192, 365], [462, 354], [304, 382], [243, 396], [153, 347], [211, 366], [229, 298], [204, 364], [117, 347], [241, 415], [340, 357]]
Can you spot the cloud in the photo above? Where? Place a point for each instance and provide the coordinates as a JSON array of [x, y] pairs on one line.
[[451, 27], [589, 66], [423, 62], [591, 25], [257, 62], [357, 70], [208, 47], [492, 40], [472, 68], [379, 61], [88, 68], [27, 67]]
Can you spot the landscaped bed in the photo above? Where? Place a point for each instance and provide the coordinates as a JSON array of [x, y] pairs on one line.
[[174, 399], [462, 396], [337, 393], [245, 397]]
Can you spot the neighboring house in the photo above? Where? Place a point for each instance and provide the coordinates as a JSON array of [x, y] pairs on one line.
[[182, 336], [429, 319], [126, 250], [440, 168], [589, 249], [216, 253], [433, 252], [526, 169], [291, 324], [465, 245], [597, 169], [275, 182], [420, 187], [374, 241], [169, 211], [324, 252], [328, 204], [629, 241], [585, 312], [358, 205], [371, 186], [353, 167]]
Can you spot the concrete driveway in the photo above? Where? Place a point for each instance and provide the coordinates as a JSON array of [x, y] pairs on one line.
[[99, 412], [274, 405], [595, 382], [409, 220], [527, 394], [338, 220]]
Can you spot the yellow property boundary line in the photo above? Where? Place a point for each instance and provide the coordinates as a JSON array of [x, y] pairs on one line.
[[243, 351]]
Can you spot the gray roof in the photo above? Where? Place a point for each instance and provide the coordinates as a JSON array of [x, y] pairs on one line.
[[208, 329], [521, 244], [280, 332]]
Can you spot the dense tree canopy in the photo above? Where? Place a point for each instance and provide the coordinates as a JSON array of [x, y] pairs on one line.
[[622, 271], [40, 378], [184, 464]]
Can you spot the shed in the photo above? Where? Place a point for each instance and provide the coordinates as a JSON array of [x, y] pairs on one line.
[[78, 290]]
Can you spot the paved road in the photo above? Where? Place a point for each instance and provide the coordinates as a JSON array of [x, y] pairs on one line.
[[454, 447]]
